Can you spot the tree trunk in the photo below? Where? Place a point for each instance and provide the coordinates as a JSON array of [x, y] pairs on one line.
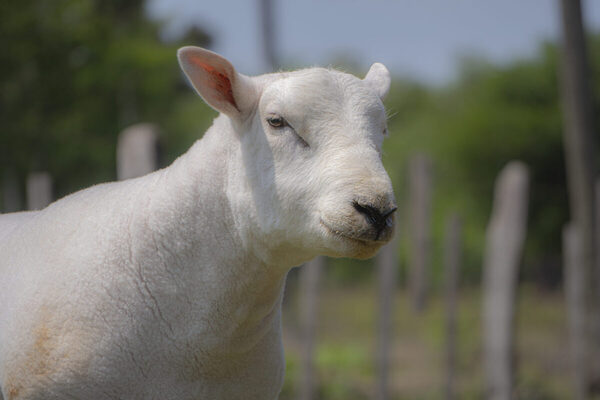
[[579, 153], [267, 22]]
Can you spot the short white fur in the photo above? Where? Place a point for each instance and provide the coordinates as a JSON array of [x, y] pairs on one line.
[[169, 286]]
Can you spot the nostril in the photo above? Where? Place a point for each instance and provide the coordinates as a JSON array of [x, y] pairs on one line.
[[387, 216], [369, 212], [390, 212], [375, 216]]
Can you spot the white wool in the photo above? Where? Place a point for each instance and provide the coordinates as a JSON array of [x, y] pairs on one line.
[[169, 286]]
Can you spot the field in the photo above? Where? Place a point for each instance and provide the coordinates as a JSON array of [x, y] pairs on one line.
[[346, 346]]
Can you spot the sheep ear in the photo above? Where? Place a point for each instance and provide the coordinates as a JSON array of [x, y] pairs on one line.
[[217, 82], [378, 78]]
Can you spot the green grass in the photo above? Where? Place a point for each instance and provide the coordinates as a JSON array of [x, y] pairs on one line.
[[346, 340]]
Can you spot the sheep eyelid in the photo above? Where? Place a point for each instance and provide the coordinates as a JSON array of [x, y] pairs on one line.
[[277, 122]]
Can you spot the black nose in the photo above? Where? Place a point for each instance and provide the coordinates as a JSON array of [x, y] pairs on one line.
[[379, 218]]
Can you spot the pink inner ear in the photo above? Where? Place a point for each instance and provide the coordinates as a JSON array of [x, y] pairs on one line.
[[218, 81]]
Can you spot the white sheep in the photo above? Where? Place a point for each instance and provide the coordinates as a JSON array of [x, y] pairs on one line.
[[169, 286]]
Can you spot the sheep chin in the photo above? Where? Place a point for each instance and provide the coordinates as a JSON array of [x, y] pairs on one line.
[[347, 245]]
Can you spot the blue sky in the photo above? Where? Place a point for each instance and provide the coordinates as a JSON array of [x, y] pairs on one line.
[[422, 39]]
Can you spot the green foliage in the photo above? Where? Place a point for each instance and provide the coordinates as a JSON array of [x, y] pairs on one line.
[[76, 72], [337, 362]]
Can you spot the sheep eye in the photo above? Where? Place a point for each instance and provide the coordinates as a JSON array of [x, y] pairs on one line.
[[276, 122]]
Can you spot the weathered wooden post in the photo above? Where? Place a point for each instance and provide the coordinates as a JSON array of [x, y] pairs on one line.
[[505, 237], [310, 275], [39, 190], [420, 189], [576, 309], [387, 265], [452, 261], [580, 149], [137, 151], [11, 194]]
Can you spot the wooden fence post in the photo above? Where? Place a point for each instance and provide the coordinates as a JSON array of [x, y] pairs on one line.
[[137, 151], [310, 275], [420, 192], [387, 265], [505, 237], [452, 261], [39, 190], [575, 281]]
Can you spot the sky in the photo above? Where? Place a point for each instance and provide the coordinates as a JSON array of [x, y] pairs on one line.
[[420, 39]]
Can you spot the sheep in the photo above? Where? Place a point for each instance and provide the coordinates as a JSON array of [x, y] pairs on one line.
[[169, 286]]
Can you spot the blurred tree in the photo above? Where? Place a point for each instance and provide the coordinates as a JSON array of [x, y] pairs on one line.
[[75, 72]]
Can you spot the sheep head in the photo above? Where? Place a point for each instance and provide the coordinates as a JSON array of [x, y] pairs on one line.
[[310, 179]]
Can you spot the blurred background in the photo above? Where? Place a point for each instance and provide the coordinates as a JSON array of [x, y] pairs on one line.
[[491, 288]]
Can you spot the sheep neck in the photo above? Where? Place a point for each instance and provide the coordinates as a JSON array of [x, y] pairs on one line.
[[199, 224]]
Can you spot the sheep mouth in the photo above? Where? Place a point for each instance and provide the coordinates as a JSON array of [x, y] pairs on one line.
[[342, 235]]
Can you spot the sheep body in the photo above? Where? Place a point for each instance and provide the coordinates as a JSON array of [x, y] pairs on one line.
[[123, 318], [166, 286]]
